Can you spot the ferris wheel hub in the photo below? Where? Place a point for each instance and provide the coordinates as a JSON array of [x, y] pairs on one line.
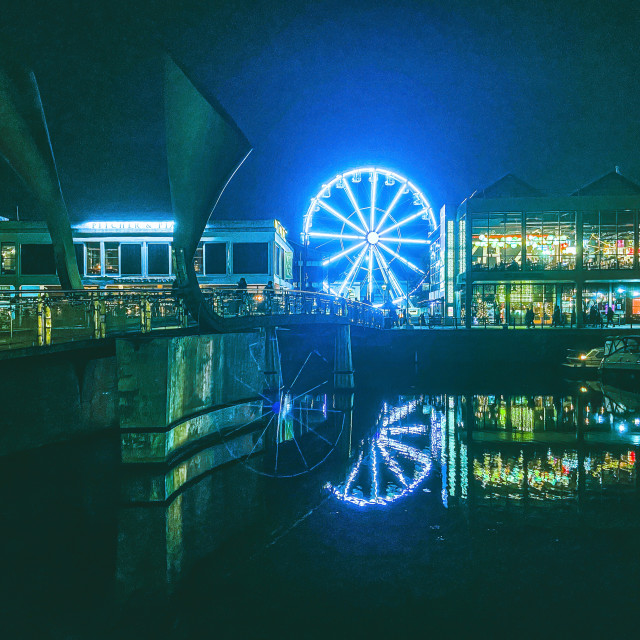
[[372, 237]]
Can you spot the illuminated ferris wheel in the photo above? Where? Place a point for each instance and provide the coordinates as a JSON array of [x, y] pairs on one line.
[[372, 227]]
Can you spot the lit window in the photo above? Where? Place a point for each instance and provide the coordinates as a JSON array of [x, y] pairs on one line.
[[198, 260], [93, 259], [111, 262], [8, 258]]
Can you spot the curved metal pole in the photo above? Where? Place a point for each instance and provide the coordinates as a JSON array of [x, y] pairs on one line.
[[204, 150], [25, 144]]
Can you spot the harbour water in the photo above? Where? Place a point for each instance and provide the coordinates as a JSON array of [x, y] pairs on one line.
[[514, 510]]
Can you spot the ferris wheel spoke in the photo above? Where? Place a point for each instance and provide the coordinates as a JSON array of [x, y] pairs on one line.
[[390, 275], [354, 202], [409, 241], [342, 254], [337, 214], [337, 236], [352, 271], [394, 202], [370, 283], [403, 260], [382, 269], [374, 182], [404, 221]]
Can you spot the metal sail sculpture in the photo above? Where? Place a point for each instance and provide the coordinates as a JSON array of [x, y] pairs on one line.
[[204, 149], [26, 146]]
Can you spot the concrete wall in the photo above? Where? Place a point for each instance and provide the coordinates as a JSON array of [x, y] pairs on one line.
[[173, 392], [55, 397]]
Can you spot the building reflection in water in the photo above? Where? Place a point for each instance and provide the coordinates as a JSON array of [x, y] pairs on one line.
[[176, 512], [500, 449]]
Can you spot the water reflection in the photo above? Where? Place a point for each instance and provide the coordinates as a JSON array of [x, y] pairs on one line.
[[533, 449], [394, 460]]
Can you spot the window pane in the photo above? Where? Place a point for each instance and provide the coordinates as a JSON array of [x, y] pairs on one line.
[[8, 259], [215, 258], [567, 246], [250, 257], [535, 257], [591, 240], [111, 266], [608, 240], [131, 257], [93, 258], [198, 260], [37, 259], [80, 257], [625, 239], [158, 255], [480, 241]]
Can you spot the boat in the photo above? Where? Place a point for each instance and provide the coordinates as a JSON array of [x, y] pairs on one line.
[[621, 360], [584, 363]]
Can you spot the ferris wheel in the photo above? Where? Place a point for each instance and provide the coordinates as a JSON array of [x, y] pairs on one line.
[[371, 226]]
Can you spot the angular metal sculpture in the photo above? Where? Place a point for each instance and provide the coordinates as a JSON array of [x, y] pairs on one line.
[[204, 149], [25, 144]]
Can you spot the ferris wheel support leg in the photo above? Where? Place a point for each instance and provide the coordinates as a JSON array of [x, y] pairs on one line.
[[343, 363], [272, 369]]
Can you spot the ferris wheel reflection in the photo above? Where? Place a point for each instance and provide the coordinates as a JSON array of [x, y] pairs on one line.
[[392, 462]]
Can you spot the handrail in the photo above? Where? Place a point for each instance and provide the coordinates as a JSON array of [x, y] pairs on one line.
[[39, 318]]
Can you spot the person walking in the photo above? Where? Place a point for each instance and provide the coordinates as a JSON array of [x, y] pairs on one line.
[[610, 315], [242, 296], [528, 318], [556, 321], [268, 296]]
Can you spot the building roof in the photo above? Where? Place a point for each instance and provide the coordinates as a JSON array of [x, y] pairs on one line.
[[509, 186], [610, 184]]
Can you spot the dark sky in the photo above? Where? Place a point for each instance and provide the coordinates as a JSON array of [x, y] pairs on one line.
[[451, 94]]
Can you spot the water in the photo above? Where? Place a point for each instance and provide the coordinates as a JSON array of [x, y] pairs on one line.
[[509, 511]]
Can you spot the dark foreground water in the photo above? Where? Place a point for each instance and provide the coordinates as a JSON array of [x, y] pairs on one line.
[[505, 513]]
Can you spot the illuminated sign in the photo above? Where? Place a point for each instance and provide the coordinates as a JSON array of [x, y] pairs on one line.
[[127, 226], [280, 230]]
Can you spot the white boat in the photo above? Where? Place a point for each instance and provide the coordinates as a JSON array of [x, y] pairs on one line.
[[621, 359]]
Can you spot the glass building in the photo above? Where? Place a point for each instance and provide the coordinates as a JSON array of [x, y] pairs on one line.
[[517, 249]]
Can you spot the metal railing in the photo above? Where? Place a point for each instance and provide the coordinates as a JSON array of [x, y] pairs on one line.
[[258, 301], [41, 318]]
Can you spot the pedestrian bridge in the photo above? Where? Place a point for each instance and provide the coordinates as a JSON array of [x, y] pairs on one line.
[[39, 319]]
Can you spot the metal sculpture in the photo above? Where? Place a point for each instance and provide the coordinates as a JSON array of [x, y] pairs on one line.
[[204, 149], [26, 146]]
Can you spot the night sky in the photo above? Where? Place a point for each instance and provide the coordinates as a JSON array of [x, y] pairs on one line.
[[451, 94]]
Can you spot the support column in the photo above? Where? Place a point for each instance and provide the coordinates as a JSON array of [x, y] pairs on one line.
[[578, 270], [343, 363], [272, 370]]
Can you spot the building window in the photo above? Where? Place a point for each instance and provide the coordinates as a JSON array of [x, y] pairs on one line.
[[607, 239], [111, 259], [8, 259], [131, 259], [215, 258], [250, 257], [93, 259], [198, 260], [158, 259], [37, 260]]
